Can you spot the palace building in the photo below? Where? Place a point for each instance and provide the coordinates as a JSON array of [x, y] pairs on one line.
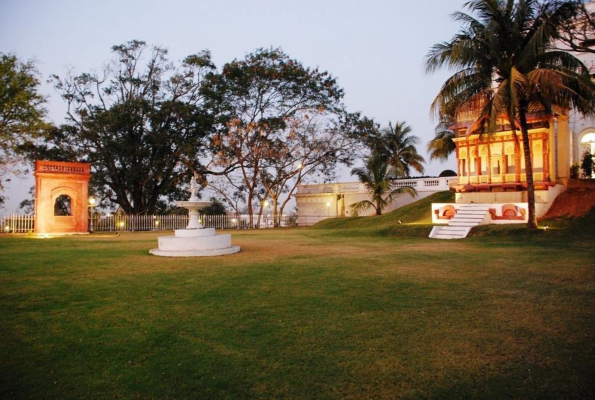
[[491, 168]]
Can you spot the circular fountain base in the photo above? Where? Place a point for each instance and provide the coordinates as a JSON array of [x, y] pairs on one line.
[[194, 243]]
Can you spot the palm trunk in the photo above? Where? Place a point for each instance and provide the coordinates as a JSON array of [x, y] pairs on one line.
[[532, 221]]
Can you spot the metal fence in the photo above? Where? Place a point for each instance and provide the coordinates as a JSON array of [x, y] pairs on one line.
[[171, 222], [17, 223], [136, 223]]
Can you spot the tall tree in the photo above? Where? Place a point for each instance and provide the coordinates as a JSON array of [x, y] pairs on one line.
[[22, 111], [507, 66], [311, 146], [141, 123], [378, 176], [397, 146], [255, 99]]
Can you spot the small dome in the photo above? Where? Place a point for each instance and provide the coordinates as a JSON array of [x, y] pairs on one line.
[[447, 172]]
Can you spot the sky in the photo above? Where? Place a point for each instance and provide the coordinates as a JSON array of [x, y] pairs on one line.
[[374, 48]]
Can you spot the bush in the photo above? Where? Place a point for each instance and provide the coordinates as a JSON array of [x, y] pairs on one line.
[[574, 168], [587, 164]]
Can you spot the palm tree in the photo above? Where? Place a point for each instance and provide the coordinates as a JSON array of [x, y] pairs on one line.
[[398, 147], [378, 178], [442, 145], [506, 65]]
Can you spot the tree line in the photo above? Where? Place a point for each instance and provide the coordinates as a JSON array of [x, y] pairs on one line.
[[261, 125], [251, 132]]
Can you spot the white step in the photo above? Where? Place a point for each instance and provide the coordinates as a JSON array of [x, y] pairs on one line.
[[468, 216], [450, 228], [441, 236], [459, 222], [471, 217]]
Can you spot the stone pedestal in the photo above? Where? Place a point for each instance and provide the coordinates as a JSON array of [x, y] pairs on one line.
[[194, 243]]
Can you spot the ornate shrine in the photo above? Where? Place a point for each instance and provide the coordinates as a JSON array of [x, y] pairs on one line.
[[61, 196]]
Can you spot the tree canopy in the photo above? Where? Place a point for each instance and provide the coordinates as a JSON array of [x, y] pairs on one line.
[[265, 105], [252, 131], [141, 123], [22, 110]]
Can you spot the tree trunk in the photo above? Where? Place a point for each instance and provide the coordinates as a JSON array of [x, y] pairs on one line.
[[261, 209], [275, 213], [250, 211], [532, 222]]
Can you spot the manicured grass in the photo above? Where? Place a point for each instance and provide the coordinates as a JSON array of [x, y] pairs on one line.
[[302, 313], [416, 219]]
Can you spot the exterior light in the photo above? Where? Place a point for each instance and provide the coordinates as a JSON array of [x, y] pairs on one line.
[[121, 224], [233, 220], [328, 204], [156, 222], [266, 203], [545, 228], [7, 228]]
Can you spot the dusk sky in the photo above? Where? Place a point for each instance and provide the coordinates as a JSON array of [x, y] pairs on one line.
[[374, 48]]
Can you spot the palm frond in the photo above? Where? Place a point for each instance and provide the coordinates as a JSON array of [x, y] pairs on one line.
[[442, 145], [360, 206]]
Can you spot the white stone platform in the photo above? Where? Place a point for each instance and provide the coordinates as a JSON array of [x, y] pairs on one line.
[[194, 243]]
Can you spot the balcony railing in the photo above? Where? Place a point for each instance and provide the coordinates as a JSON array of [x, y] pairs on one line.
[[420, 184], [62, 167]]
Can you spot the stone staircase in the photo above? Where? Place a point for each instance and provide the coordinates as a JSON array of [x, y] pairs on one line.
[[468, 216]]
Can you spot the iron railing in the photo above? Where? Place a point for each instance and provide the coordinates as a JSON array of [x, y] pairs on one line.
[[139, 223]]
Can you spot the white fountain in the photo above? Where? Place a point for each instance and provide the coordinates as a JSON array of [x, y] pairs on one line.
[[195, 240]]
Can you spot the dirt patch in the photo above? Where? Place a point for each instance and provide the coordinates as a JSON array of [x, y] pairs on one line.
[[572, 203]]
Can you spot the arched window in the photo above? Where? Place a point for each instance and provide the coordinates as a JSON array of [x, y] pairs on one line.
[[588, 142], [63, 206]]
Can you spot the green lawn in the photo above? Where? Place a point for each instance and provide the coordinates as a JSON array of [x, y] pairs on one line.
[[302, 313]]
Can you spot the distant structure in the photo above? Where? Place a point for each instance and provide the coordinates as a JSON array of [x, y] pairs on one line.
[[319, 201], [61, 197]]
